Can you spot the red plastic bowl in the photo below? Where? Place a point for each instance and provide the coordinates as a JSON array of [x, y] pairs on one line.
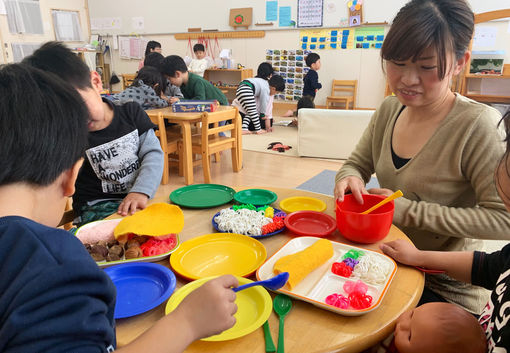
[[364, 228], [310, 223]]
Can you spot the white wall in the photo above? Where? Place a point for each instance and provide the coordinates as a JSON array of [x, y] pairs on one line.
[[6, 38]]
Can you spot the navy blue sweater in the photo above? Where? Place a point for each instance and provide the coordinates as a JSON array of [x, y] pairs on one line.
[[53, 297], [311, 83]]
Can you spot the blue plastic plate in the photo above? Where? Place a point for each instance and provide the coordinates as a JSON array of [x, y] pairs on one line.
[[215, 225], [140, 287]]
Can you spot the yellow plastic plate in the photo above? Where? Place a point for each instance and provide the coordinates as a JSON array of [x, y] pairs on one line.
[[218, 254], [253, 308], [302, 203]]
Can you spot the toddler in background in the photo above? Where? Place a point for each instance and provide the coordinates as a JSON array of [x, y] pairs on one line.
[[311, 79], [199, 64], [146, 90], [170, 92], [152, 47], [303, 102], [252, 98]]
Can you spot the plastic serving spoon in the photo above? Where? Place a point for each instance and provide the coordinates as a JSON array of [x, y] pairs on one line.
[[272, 283], [267, 337], [393, 196], [281, 305]]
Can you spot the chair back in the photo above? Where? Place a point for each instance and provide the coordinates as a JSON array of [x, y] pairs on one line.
[[127, 80], [344, 86], [211, 127]]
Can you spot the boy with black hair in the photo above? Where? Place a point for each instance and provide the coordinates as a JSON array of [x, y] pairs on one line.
[[171, 93], [53, 296], [124, 160], [311, 79], [192, 86], [199, 64], [253, 97]]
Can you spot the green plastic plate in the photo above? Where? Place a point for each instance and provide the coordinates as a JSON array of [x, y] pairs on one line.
[[202, 195], [257, 197]]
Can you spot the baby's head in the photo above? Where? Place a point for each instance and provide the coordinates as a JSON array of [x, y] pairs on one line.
[[439, 328]]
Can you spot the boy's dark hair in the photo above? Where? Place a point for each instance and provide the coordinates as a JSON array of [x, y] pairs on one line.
[[277, 82], [151, 77], [173, 63], [60, 60], [305, 102], [311, 59], [198, 47], [43, 126], [153, 59], [151, 45], [446, 26], [265, 70]]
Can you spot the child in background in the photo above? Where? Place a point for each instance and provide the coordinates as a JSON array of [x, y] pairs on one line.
[[145, 90], [152, 46], [252, 98], [170, 91], [192, 86], [124, 160], [199, 64], [491, 271], [311, 79], [303, 102], [53, 296]]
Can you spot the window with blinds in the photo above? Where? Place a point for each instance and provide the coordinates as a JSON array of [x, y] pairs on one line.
[[67, 25], [24, 16], [20, 50]]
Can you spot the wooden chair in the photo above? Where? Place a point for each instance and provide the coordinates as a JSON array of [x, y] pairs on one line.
[[209, 142], [127, 80], [348, 96], [169, 139]]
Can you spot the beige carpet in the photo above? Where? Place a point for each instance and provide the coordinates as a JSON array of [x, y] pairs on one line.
[[287, 135]]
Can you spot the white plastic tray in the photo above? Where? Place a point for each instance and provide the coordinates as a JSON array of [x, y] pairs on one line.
[[321, 282]]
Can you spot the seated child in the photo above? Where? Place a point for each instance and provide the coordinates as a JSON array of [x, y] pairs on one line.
[[311, 79], [53, 296], [491, 271], [192, 86], [124, 160], [145, 90], [173, 93], [199, 64], [252, 97], [452, 328]]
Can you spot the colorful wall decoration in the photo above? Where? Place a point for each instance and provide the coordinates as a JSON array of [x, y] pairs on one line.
[[341, 38], [290, 64]]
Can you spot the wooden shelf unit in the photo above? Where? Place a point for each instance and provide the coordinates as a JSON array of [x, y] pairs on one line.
[[101, 66], [228, 76]]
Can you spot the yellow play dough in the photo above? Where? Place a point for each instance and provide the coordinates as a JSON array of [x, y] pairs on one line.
[[155, 220], [300, 264]]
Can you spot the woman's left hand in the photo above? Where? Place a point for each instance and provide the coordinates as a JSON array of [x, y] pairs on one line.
[[382, 192]]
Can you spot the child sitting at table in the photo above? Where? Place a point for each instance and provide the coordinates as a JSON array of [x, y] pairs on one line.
[[192, 86], [146, 90], [199, 64], [172, 92], [491, 271], [53, 296], [124, 160], [252, 98]]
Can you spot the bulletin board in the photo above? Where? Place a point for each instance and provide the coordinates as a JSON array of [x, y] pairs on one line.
[[342, 38], [289, 64]]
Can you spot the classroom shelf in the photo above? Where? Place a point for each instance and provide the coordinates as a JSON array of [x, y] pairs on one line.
[[487, 98], [487, 76]]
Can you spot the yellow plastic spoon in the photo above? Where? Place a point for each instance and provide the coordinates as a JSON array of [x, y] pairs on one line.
[[393, 196]]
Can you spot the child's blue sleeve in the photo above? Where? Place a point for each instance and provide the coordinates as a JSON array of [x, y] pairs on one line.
[[150, 155]]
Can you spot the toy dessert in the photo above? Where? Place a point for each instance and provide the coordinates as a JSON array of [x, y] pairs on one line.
[[151, 232]]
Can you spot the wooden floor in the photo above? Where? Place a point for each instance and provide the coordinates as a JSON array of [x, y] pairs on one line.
[[259, 169]]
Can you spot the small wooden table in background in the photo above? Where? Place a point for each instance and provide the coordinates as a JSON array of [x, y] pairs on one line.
[[307, 328], [185, 120]]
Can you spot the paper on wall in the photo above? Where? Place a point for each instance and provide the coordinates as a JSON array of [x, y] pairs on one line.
[[124, 47], [115, 41], [485, 37], [3, 10], [138, 22]]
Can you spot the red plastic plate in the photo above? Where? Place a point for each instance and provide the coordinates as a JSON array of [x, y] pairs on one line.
[[310, 223]]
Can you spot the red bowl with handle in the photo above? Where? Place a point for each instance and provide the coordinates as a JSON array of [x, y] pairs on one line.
[[364, 228]]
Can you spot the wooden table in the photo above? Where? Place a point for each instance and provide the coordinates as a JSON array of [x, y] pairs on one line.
[[185, 120], [307, 328]]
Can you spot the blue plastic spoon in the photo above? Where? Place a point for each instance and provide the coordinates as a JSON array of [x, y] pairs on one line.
[[272, 283]]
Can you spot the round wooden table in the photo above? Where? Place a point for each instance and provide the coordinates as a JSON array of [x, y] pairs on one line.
[[307, 328]]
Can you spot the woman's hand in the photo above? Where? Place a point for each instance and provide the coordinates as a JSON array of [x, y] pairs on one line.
[[353, 184]]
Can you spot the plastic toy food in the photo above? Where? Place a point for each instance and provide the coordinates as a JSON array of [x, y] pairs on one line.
[[300, 264]]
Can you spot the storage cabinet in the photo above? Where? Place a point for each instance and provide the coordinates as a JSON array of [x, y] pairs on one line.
[[227, 79], [488, 88], [100, 66]]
